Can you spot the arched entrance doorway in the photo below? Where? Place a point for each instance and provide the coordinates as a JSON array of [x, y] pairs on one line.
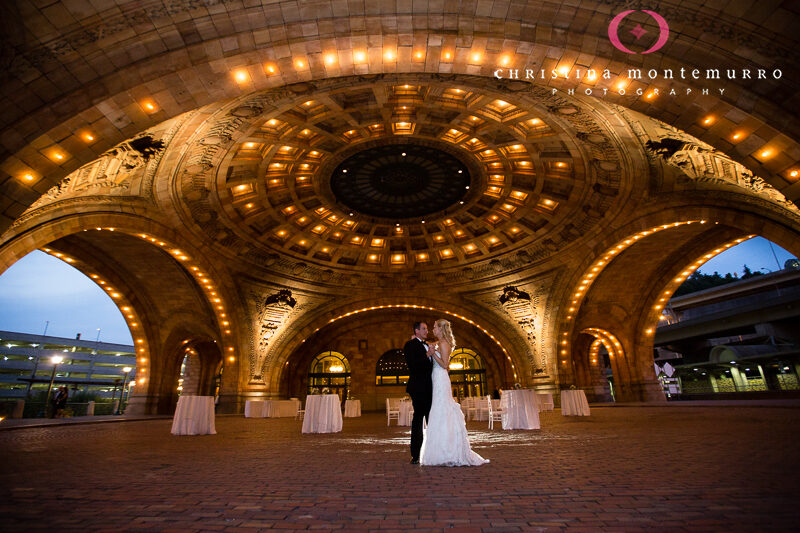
[[599, 364], [200, 369], [467, 373], [330, 370], [392, 368]]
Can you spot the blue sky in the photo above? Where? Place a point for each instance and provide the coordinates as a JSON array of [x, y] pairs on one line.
[[40, 288], [755, 253]]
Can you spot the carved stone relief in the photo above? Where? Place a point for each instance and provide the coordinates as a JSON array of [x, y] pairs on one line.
[[111, 174], [272, 314], [522, 309], [526, 305], [127, 169], [702, 163]]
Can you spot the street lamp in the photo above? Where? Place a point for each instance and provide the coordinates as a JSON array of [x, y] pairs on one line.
[[128, 396], [127, 371], [56, 359]]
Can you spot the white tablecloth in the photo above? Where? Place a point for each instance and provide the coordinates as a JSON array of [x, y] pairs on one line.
[[279, 408], [194, 415], [545, 400], [405, 413], [352, 408], [254, 409], [573, 403], [521, 409], [323, 414], [270, 408]]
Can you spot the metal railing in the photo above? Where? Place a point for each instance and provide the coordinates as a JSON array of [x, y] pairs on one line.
[[33, 409]]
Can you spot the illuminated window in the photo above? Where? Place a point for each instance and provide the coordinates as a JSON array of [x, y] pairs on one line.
[[391, 368], [467, 373], [329, 370]]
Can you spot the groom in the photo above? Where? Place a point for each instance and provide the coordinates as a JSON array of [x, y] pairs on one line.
[[419, 385]]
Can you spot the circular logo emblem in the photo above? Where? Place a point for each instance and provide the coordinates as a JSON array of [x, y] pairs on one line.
[[638, 32]]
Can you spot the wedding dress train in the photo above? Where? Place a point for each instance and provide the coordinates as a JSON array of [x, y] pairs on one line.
[[445, 439]]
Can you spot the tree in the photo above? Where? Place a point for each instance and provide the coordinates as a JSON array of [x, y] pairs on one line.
[[700, 282], [747, 273]]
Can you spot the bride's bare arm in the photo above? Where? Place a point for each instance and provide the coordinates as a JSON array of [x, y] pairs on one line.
[[444, 355]]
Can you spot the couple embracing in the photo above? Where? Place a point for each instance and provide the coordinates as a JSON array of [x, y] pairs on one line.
[[444, 441]]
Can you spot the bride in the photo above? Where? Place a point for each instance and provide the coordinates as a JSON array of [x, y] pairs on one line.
[[445, 442]]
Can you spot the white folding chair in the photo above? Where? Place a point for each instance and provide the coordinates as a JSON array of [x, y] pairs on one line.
[[392, 411], [496, 412], [482, 407], [472, 409], [300, 413]]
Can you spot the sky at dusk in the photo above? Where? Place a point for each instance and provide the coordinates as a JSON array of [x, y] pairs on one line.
[[40, 288], [755, 253]]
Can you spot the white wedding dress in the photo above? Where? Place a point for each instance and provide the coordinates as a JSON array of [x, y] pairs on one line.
[[445, 439]]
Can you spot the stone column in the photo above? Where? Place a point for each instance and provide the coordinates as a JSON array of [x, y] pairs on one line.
[[738, 383], [763, 377], [713, 381]]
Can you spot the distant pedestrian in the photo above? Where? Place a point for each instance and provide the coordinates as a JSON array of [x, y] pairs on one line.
[[60, 402]]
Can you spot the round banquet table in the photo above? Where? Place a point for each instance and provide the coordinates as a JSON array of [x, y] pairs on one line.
[[254, 409], [323, 414], [521, 410], [545, 400], [404, 419], [194, 415], [352, 408], [573, 403], [281, 408]]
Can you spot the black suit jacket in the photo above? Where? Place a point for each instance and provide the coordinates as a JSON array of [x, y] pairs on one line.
[[419, 368]]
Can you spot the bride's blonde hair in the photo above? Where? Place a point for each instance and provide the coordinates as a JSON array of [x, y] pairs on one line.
[[447, 332]]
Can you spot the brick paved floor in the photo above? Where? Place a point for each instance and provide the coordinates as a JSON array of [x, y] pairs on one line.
[[622, 469]]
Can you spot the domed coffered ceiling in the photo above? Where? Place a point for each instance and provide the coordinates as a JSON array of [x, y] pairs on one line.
[[397, 173]]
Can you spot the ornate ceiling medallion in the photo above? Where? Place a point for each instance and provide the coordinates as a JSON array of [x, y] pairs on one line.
[[400, 181]]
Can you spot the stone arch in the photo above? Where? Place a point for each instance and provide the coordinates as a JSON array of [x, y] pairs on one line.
[[510, 346], [623, 286], [174, 81], [394, 324], [115, 251], [588, 368], [188, 338]]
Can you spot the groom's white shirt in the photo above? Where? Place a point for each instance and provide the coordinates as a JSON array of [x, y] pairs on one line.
[[425, 344]]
